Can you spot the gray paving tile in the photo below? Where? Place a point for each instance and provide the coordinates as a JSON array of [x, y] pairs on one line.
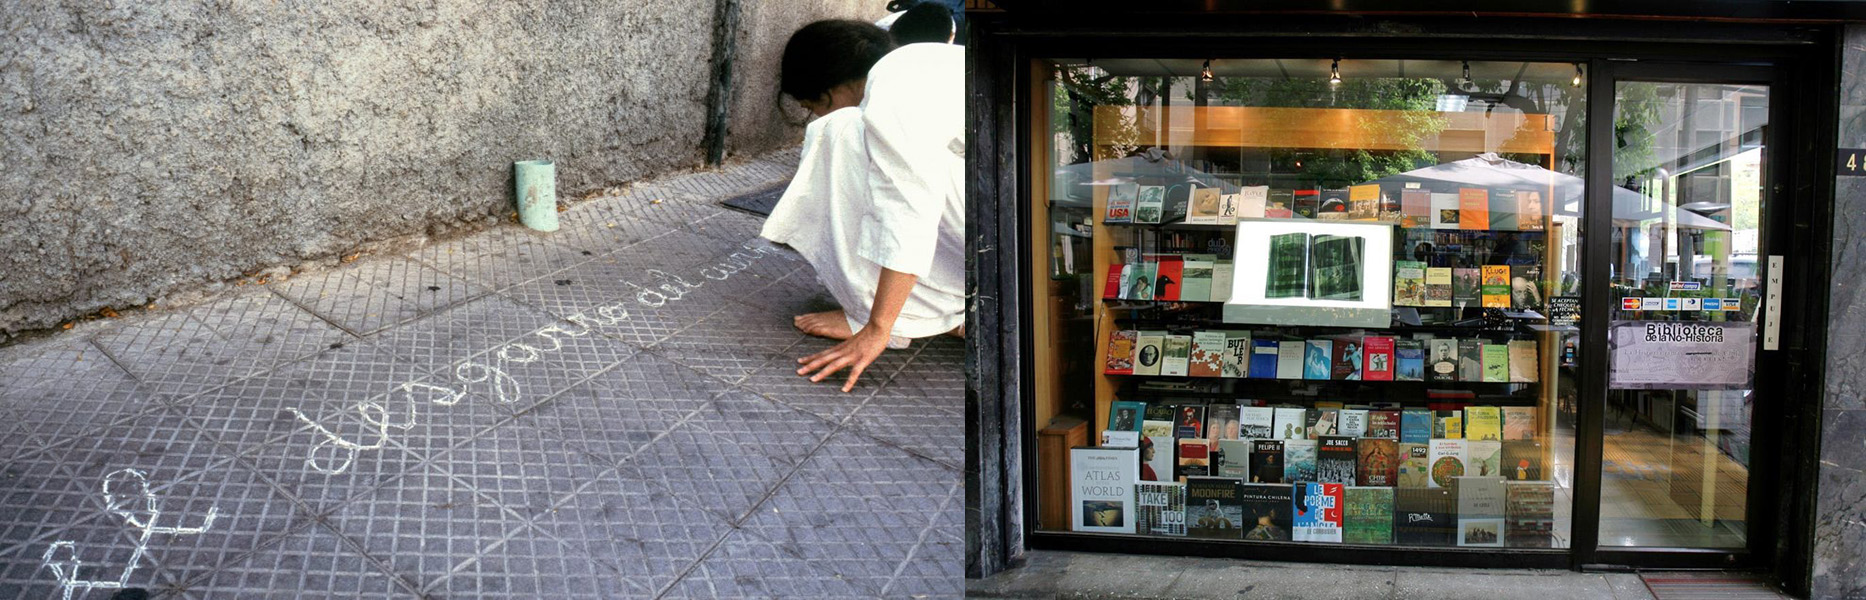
[[439, 341], [23, 576], [637, 528], [162, 444], [643, 319], [616, 412], [728, 225], [530, 564], [501, 257], [324, 477], [250, 514], [534, 367], [179, 356], [733, 452], [253, 411], [718, 184], [270, 330], [744, 566], [604, 232], [40, 498], [52, 415], [936, 570], [915, 425], [679, 213], [425, 288], [580, 289], [353, 304], [53, 362], [720, 346], [313, 562], [678, 252], [778, 380], [424, 525], [795, 293], [523, 465]]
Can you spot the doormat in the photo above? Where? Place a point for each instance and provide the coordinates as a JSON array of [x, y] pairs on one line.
[[760, 202], [1689, 585]]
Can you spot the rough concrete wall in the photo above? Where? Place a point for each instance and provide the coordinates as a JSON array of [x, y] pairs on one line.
[[1840, 517], [147, 147], [757, 123]]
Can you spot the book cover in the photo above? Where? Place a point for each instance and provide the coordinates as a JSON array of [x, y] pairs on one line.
[[1196, 278], [1519, 422], [1236, 358], [1415, 425], [1101, 489], [1383, 424], [1480, 511], [1189, 421], [1195, 458], [1159, 456], [1147, 352], [1448, 424], [1529, 215], [1409, 360], [1308, 203], [1204, 208], [1292, 423], [1298, 460], [1175, 355], [1214, 508], [1390, 207], [1470, 359], [1111, 288], [1208, 348], [1438, 287], [1447, 462], [1529, 514], [1347, 359], [1352, 422], [1368, 518], [1162, 506], [1364, 202], [1169, 276], [1251, 202], [1266, 461], [1473, 208], [1221, 422], [1256, 422], [1496, 363], [1442, 360], [1425, 516], [1415, 209], [1379, 358], [1121, 352], [1503, 210], [1121, 203], [1483, 423], [1467, 287], [1222, 273], [1289, 359], [1140, 277], [1150, 205], [1324, 421], [1523, 361], [1335, 460], [1318, 359], [1335, 262], [1445, 211], [1288, 275], [1280, 204], [1334, 205], [1266, 511], [1496, 286], [1408, 283], [1232, 459], [1263, 358], [1483, 458], [1317, 515], [1151, 427], [1178, 203], [1415, 466], [1377, 462]]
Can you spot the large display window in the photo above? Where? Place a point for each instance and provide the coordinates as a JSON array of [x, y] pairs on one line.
[[1309, 300]]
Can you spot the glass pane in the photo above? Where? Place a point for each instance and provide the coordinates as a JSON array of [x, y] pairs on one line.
[[1280, 307], [1687, 215]]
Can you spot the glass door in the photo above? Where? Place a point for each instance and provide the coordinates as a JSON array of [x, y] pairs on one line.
[[1686, 322]]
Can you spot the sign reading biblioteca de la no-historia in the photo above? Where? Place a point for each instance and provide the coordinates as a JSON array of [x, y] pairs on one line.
[[1681, 355]]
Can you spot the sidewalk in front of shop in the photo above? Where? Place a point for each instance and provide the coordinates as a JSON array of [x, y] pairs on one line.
[[607, 411], [1080, 575]]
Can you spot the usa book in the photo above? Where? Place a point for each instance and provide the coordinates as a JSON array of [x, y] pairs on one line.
[[1483, 423], [1425, 516], [1204, 208], [1408, 283], [1529, 210], [1442, 359], [1496, 286], [1208, 348], [1263, 358], [1298, 460], [1480, 511], [1415, 467], [1437, 287], [1289, 359], [1347, 359], [1364, 202], [1121, 203], [1175, 355], [1470, 360], [1292, 423], [1523, 361], [1383, 424], [1256, 422], [1169, 276], [1379, 361], [1368, 518], [1162, 506], [1308, 204], [1266, 461], [1448, 424], [1196, 278], [1334, 205], [1447, 462], [1150, 205], [1266, 511], [1317, 511], [1483, 458], [1236, 359], [1214, 508], [1351, 422], [1195, 458], [1279, 204], [1335, 460], [1221, 422], [1503, 210], [1496, 363], [1467, 287], [1102, 489], [1147, 352], [1232, 459], [1415, 209], [1473, 208], [1445, 211], [1519, 423], [1377, 462], [1529, 514], [1189, 421], [1415, 425], [1409, 360], [1318, 359], [1121, 352]]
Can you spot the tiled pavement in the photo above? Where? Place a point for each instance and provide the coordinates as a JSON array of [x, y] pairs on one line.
[[507, 415]]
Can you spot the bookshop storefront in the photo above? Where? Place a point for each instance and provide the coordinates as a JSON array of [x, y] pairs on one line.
[[1504, 291]]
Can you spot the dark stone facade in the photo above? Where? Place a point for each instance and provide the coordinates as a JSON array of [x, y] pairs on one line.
[[1840, 517]]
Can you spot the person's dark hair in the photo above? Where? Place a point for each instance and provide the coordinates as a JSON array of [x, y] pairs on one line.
[[925, 22], [826, 54]]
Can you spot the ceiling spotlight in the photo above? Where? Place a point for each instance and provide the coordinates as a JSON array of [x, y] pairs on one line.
[[1467, 73], [1205, 74], [1577, 74], [1334, 72]]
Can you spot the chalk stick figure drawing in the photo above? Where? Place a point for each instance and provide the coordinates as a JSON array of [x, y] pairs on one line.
[[127, 495]]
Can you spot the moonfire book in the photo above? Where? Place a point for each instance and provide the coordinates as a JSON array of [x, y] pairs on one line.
[[1214, 508]]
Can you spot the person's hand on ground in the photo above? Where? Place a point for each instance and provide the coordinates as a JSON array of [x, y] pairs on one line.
[[855, 354]]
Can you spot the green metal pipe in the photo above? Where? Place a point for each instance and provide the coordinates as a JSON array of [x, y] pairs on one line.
[[537, 193]]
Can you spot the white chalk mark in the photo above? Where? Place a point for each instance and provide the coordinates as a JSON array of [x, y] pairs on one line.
[[444, 397], [504, 387], [531, 354], [348, 450], [62, 556]]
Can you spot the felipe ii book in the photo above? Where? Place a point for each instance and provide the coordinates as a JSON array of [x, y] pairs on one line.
[[1266, 461], [1102, 489], [1317, 511]]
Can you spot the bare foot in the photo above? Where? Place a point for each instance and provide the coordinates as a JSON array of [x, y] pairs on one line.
[[830, 324], [958, 332]]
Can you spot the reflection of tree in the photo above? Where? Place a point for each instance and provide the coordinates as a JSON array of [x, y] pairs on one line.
[[1078, 92], [1636, 110], [1419, 120]]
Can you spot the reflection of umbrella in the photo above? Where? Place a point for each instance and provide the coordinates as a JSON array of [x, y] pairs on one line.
[[1488, 170], [1073, 182]]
